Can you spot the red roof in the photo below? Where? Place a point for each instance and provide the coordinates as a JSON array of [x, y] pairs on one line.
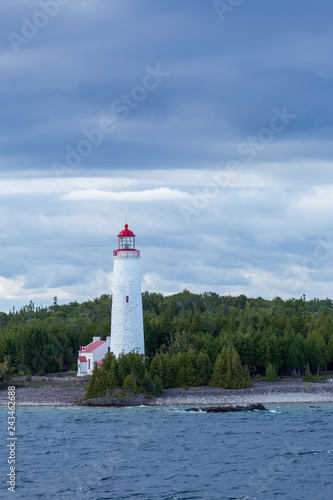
[[100, 362], [83, 359], [94, 345], [126, 232]]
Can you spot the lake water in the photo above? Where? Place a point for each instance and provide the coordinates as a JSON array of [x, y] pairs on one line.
[[169, 454]]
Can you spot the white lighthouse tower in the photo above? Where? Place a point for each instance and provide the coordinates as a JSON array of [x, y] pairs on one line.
[[126, 318]]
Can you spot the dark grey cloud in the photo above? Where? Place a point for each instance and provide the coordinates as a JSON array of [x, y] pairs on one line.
[[91, 63], [225, 78]]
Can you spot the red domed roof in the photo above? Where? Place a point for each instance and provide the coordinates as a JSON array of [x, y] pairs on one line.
[[126, 232]]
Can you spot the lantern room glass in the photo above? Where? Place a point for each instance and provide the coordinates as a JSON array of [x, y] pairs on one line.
[[126, 243]]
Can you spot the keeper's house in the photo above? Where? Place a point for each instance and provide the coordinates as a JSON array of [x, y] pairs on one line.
[[90, 354]]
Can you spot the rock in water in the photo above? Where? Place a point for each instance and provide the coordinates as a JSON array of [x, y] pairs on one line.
[[225, 409]]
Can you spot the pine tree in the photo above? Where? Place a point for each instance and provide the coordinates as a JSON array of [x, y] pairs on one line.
[[308, 377], [228, 371], [95, 386], [271, 375], [155, 366], [130, 382], [318, 352], [330, 350], [40, 351], [113, 378], [158, 386], [148, 383], [220, 369], [5, 371], [190, 360], [165, 370], [21, 364], [203, 369]]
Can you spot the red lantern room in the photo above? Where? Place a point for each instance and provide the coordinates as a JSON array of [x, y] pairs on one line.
[[126, 239], [126, 243]]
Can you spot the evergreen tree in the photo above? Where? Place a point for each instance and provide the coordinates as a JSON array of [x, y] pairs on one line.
[[161, 366], [96, 385], [147, 382], [109, 371], [39, 351], [228, 371], [287, 334], [203, 369], [330, 350], [308, 377], [5, 372], [220, 369], [158, 386], [130, 382], [113, 380], [271, 375], [21, 364], [318, 352], [190, 362]]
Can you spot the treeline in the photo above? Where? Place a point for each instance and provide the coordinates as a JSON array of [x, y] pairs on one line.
[[185, 332], [129, 371], [286, 334], [38, 340], [137, 373]]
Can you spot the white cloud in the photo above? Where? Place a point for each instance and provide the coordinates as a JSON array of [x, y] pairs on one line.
[[158, 194], [256, 237], [315, 206], [49, 185], [266, 218], [11, 288], [14, 291]]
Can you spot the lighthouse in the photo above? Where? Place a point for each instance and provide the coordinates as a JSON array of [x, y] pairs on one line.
[[126, 316]]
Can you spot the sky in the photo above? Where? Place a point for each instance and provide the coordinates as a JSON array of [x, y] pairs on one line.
[[206, 125]]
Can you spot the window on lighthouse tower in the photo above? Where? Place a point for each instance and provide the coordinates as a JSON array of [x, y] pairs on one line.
[[127, 242]]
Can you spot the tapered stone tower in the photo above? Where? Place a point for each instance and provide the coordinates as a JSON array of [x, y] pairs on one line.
[[126, 317]]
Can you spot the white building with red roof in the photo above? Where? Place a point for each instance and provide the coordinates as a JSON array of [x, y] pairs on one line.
[[92, 353], [127, 318]]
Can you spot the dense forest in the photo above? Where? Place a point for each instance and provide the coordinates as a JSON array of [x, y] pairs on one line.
[[186, 336]]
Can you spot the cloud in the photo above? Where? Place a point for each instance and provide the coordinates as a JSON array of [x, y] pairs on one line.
[[158, 194], [248, 229], [217, 93], [53, 184], [249, 238], [18, 291]]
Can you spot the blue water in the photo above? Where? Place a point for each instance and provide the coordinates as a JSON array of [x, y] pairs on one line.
[[169, 454]]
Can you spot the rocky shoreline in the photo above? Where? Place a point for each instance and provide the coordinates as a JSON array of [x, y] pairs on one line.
[[284, 391], [70, 391]]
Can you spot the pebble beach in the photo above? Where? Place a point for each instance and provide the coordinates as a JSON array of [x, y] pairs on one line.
[[286, 391], [68, 391]]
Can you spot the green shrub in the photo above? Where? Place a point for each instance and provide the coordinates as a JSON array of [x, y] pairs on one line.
[[148, 383], [319, 378], [308, 377], [129, 382], [158, 386], [271, 375], [228, 371], [5, 371]]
